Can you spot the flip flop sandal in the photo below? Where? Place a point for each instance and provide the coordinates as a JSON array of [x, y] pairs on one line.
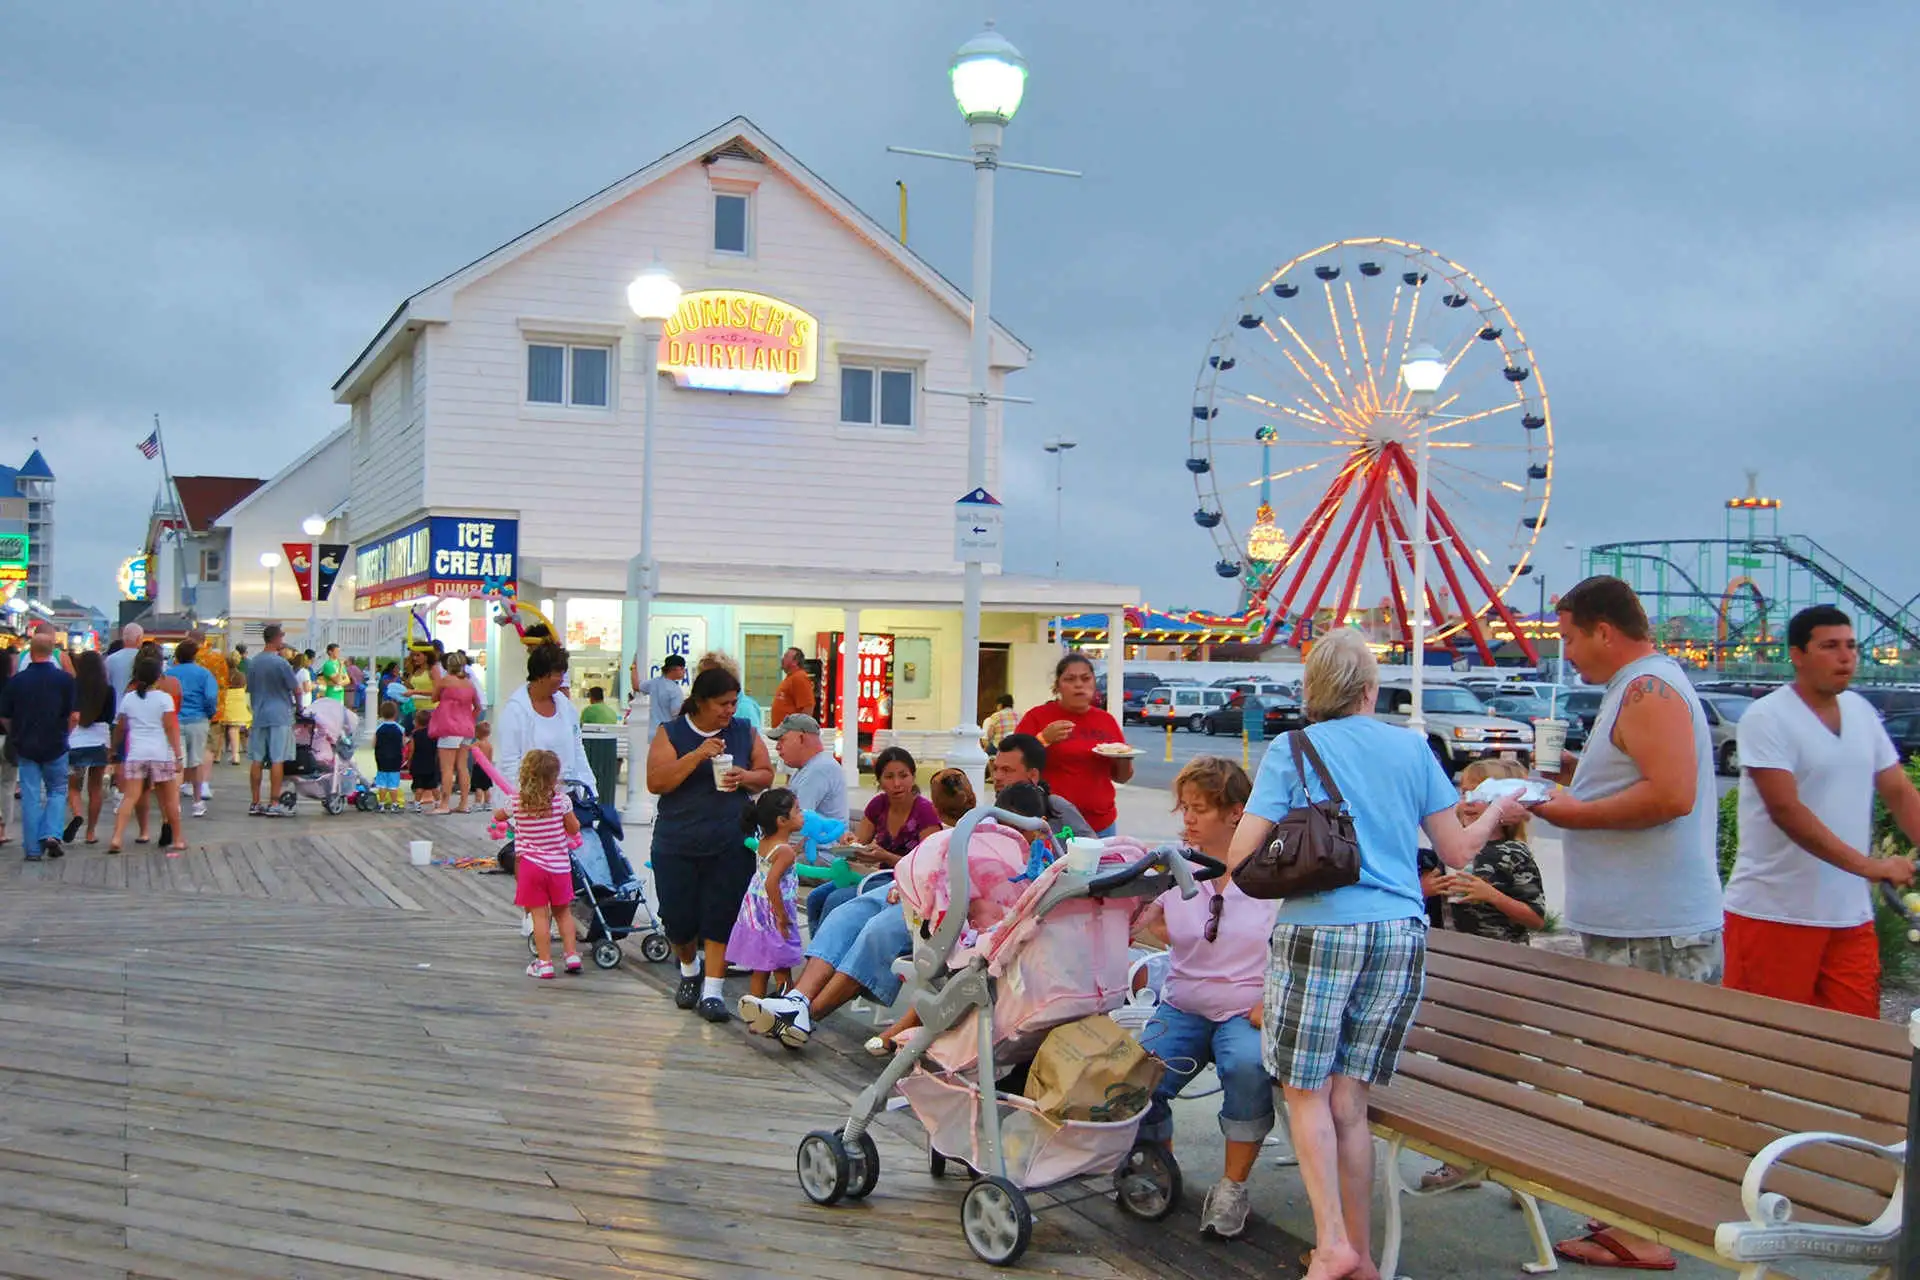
[[1601, 1249]]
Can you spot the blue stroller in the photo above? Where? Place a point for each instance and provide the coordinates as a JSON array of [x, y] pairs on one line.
[[608, 896]]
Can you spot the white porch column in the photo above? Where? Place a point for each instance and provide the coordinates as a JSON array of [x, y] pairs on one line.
[[850, 699], [1117, 665]]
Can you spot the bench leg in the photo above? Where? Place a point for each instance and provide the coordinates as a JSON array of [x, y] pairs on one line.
[[1396, 1189], [1542, 1242]]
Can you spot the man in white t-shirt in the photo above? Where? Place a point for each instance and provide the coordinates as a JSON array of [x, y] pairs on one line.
[[1800, 901]]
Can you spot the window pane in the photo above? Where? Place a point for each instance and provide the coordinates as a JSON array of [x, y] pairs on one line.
[[546, 374], [896, 398], [856, 394], [730, 224], [590, 376]]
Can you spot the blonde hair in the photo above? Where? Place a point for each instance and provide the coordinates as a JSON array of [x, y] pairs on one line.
[[539, 777], [1479, 771], [453, 664], [1341, 671], [1220, 782], [713, 659]]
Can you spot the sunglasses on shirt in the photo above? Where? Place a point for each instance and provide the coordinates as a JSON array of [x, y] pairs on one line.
[[1214, 912]]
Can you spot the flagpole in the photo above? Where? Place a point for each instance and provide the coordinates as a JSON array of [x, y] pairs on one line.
[[179, 530]]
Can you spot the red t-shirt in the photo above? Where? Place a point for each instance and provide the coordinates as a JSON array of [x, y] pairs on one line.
[[1074, 772]]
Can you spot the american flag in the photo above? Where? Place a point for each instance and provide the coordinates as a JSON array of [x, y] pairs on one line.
[[150, 447]]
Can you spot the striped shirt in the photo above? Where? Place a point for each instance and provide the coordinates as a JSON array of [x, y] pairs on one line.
[[542, 841]]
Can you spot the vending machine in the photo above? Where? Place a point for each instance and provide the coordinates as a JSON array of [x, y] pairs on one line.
[[876, 681]]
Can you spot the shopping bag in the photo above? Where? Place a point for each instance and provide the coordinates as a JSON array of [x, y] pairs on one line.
[[1092, 1070]]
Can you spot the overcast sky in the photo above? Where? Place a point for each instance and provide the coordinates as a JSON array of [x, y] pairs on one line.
[[1702, 215]]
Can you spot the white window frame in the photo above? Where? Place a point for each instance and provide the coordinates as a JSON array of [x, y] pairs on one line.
[[536, 331], [747, 237], [879, 370]]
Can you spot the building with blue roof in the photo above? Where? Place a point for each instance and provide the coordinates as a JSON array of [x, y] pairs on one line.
[[26, 506]]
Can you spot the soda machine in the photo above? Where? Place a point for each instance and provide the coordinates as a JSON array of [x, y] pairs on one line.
[[875, 673]]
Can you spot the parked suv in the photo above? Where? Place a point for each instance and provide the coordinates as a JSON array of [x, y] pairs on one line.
[[1182, 704], [1134, 688], [1459, 728]]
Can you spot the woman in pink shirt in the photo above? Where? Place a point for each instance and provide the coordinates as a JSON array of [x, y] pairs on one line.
[[452, 727], [1218, 943]]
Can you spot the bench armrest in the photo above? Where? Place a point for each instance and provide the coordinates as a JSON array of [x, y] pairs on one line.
[[1767, 1235]]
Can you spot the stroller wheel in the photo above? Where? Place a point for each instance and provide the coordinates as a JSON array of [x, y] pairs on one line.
[[996, 1221], [334, 805], [656, 948], [606, 954], [288, 797], [866, 1168], [824, 1167], [1149, 1182]]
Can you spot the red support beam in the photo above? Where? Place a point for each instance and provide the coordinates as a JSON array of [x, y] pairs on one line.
[[1367, 513], [1393, 572], [1406, 549], [1329, 507], [1287, 558], [1375, 474]]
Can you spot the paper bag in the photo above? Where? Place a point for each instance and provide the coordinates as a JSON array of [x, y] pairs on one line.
[[1092, 1070]]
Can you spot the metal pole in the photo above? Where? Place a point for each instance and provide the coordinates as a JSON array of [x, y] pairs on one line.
[[1417, 714], [313, 593], [269, 593], [966, 753], [644, 574]]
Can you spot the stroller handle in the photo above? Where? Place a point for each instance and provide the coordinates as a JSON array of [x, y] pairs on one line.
[[1164, 858]]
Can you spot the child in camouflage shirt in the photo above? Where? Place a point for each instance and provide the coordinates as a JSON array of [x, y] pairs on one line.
[[1499, 896]]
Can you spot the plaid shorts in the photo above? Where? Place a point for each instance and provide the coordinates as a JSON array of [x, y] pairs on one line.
[[1339, 1000]]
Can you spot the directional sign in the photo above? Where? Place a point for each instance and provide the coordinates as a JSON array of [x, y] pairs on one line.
[[976, 528]]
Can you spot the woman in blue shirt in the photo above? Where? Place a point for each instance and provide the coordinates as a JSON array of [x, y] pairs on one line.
[[1349, 965], [199, 704]]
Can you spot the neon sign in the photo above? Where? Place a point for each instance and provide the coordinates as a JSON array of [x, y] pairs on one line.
[[731, 340]]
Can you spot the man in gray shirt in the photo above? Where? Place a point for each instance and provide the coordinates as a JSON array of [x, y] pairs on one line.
[[119, 663], [272, 692], [817, 782], [663, 695]]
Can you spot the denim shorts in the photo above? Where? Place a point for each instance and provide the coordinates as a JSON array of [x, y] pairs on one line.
[[862, 939], [87, 758]]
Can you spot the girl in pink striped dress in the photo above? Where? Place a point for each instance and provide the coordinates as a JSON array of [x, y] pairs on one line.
[[543, 831]]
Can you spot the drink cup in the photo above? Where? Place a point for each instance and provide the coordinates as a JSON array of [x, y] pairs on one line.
[[1083, 856], [722, 763], [1549, 739], [420, 852]]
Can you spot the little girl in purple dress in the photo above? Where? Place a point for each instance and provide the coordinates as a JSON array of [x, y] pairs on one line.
[[766, 933]]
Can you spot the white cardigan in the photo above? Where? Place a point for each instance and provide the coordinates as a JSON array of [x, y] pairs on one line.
[[518, 729]]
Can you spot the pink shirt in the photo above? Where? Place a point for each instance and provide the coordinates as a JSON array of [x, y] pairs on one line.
[[540, 840], [1224, 978]]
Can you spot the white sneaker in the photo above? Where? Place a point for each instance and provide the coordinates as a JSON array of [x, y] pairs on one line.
[[1224, 1215], [199, 808], [789, 1019]]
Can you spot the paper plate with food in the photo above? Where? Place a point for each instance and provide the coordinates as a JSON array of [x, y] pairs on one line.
[[1116, 751], [1530, 790]]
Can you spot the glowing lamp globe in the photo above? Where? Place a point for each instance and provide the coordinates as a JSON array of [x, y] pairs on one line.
[[1422, 372], [654, 294], [314, 526], [989, 78], [269, 559]]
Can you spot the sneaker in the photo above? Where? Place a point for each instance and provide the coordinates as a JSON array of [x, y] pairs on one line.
[[542, 969], [714, 1009], [1224, 1215], [788, 1019], [687, 994], [285, 811], [32, 855], [572, 963], [748, 1009], [199, 808], [53, 848], [73, 829], [256, 810]]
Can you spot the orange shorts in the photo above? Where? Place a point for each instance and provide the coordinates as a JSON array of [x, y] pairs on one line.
[[1807, 964]]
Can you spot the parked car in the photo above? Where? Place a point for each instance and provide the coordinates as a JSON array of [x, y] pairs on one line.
[[1134, 688], [1459, 727], [1283, 714], [1723, 722], [1889, 699], [1578, 708], [1182, 704], [1526, 708], [1904, 728]]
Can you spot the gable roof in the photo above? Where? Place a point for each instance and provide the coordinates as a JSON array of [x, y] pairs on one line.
[[204, 499], [736, 137], [264, 487], [36, 467]]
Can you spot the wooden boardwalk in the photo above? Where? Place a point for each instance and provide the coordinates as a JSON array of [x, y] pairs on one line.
[[291, 1054]]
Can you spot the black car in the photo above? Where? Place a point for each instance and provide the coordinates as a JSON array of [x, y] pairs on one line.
[[1133, 692], [1579, 707], [1889, 701], [1282, 716], [1904, 728]]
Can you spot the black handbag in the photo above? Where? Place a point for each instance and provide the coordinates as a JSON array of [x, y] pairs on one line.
[[1312, 849]]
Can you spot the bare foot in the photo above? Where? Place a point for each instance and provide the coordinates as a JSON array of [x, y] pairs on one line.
[[1336, 1262]]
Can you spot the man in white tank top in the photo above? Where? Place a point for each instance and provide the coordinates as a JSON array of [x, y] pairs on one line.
[[1643, 883], [1643, 887]]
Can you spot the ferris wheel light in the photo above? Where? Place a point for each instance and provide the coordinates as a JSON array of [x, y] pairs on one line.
[[989, 78], [1422, 372]]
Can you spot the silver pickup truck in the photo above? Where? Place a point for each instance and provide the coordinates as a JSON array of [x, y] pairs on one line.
[[1458, 726]]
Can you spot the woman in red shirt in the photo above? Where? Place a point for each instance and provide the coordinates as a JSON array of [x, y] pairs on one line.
[[1071, 726]]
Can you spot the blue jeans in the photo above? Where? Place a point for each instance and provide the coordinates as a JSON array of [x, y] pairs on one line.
[[43, 801], [824, 899], [864, 937], [1186, 1042]]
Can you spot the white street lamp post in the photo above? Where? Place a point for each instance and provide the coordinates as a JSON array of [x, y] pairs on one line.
[[269, 560], [1421, 372], [1058, 446], [653, 296], [313, 526]]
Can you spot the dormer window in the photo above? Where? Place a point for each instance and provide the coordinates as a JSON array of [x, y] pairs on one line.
[[731, 222]]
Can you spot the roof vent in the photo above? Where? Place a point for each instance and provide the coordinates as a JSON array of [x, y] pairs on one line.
[[737, 149]]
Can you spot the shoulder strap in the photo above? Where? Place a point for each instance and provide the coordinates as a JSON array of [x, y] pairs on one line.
[[1302, 744]]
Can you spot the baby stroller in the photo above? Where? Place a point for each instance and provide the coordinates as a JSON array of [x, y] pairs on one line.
[[1059, 955], [322, 765], [608, 896]]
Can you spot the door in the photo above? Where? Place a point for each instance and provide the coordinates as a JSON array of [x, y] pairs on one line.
[[760, 650], [913, 690], [996, 678]]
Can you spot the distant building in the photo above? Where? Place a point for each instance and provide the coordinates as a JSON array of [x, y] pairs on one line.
[[192, 564], [26, 506]]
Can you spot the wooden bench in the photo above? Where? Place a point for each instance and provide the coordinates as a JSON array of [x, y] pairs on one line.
[[1657, 1105]]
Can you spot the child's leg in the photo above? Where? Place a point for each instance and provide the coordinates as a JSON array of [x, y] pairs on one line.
[[543, 946], [895, 1033], [170, 814], [568, 947], [757, 984]]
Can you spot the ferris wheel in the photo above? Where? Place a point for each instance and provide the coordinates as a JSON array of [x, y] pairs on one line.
[[1302, 447]]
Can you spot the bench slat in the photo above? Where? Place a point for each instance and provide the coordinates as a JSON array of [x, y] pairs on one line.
[[1612, 1022], [1824, 1194], [1798, 1020], [1742, 1138], [1780, 1113]]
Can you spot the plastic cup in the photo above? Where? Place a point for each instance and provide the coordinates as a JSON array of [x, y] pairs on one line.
[[421, 852], [1549, 739], [722, 763], [1083, 856]]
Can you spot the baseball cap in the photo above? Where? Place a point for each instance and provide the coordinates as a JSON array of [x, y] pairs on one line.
[[794, 724]]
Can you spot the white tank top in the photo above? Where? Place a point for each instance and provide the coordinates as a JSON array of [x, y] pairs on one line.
[[1661, 882]]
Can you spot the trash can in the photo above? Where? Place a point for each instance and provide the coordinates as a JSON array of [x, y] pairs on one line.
[[603, 757]]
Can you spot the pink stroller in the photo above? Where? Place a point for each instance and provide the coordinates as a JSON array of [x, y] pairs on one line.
[[322, 766], [1059, 954]]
